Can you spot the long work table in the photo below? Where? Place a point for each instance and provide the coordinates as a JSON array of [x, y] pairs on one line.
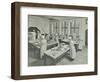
[[54, 55], [34, 48]]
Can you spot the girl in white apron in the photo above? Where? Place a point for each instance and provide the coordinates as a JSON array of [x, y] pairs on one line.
[[43, 46], [72, 48]]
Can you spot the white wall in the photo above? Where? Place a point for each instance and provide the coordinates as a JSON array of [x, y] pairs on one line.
[[5, 41], [83, 28]]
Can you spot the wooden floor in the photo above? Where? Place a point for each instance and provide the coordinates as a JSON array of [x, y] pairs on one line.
[[81, 58]]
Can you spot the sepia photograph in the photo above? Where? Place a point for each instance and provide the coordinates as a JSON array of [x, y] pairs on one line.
[[57, 40], [53, 40]]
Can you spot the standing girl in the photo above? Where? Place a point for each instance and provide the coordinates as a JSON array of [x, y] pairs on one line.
[[72, 48], [43, 45]]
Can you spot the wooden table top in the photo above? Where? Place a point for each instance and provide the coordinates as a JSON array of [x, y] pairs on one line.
[[37, 44]]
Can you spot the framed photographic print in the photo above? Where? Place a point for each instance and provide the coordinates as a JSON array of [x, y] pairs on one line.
[[53, 40]]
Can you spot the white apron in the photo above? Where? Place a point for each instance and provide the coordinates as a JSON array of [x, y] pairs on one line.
[[43, 47], [72, 50]]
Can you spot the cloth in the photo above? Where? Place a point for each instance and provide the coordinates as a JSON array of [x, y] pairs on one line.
[[34, 36]]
